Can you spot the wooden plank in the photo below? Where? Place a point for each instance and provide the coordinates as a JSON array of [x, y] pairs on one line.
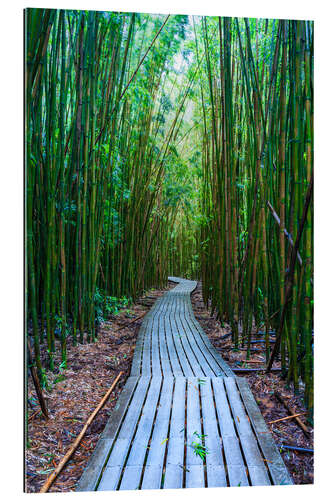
[[114, 422], [152, 477], [237, 475], [207, 362], [134, 410], [110, 479], [142, 435], [177, 422], [259, 475], [213, 357], [194, 358], [192, 347], [175, 454], [173, 357], [147, 343], [131, 477], [136, 362], [176, 336], [134, 465], [216, 475], [94, 468], [155, 350], [159, 437], [164, 355], [248, 441], [193, 427], [225, 419], [275, 464], [119, 452], [146, 354], [235, 464], [98, 459], [195, 477], [240, 418], [174, 468], [173, 476]]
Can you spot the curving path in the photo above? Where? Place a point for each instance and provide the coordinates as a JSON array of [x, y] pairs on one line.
[[181, 394]]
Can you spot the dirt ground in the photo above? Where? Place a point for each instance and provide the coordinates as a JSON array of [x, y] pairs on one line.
[[263, 386], [75, 392]]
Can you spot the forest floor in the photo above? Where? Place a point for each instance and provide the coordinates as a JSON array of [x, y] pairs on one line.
[[263, 386], [75, 392]]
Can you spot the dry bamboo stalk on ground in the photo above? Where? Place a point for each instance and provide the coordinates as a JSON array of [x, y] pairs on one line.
[[77, 441], [130, 322], [295, 415], [298, 420]]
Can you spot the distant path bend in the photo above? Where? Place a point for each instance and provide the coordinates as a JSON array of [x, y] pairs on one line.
[[182, 394]]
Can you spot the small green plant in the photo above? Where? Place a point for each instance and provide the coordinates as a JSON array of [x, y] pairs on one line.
[[109, 305], [61, 376], [199, 447], [44, 380]]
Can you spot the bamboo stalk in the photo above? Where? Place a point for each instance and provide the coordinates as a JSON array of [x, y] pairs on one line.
[[285, 404], [287, 418]]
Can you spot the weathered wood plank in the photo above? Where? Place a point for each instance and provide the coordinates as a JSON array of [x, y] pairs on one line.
[[173, 476], [91, 474], [174, 469], [134, 410], [164, 355], [272, 456], [152, 477], [193, 428], [110, 479], [120, 409]]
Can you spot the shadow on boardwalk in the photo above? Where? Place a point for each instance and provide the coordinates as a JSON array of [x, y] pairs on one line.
[[183, 419]]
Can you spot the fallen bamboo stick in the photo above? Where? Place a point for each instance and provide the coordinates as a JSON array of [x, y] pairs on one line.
[[286, 447], [298, 420], [287, 418], [132, 321], [252, 361], [32, 416], [250, 370], [77, 441]]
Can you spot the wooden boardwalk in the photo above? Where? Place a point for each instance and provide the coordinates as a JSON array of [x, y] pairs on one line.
[[180, 394]]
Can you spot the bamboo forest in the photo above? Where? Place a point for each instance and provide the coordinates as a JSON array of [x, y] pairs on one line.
[[169, 235]]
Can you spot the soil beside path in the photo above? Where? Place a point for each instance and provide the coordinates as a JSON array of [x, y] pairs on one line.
[[300, 465], [74, 394]]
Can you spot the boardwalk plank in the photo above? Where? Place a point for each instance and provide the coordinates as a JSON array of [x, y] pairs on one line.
[[152, 477], [92, 472], [273, 458], [110, 479]]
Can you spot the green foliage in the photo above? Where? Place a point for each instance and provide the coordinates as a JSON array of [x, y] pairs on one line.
[[106, 306], [198, 446], [61, 375]]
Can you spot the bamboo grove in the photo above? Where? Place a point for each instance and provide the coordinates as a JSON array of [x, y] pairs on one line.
[[98, 146], [178, 145], [257, 237]]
